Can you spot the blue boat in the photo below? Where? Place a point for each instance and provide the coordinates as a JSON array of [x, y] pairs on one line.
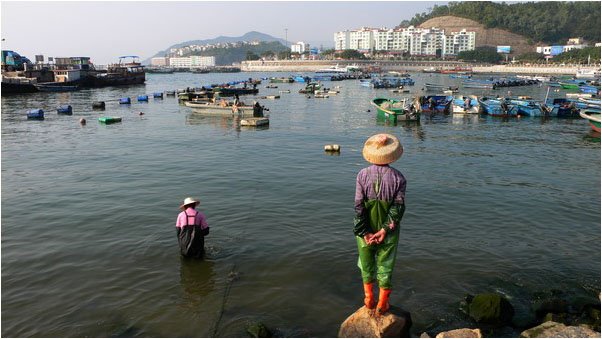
[[459, 104], [301, 78], [527, 107], [64, 109], [435, 103], [562, 108], [125, 101], [35, 114], [494, 107], [589, 89], [460, 76]]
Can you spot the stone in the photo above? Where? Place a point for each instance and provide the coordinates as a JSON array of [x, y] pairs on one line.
[[461, 333], [366, 323], [425, 335], [552, 329], [491, 308], [258, 330]]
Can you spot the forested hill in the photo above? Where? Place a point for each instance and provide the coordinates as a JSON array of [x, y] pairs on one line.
[[551, 22]]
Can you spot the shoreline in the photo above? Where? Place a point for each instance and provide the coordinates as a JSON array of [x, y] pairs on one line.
[[407, 65]]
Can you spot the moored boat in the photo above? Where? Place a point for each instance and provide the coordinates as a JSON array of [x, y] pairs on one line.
[[221, 110], [593, 117], [459, 104], [55, 87], [435, 103], [497, 107], [282, 80], [395, 110]]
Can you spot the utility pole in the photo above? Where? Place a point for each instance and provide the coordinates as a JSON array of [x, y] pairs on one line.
[[286, 39]]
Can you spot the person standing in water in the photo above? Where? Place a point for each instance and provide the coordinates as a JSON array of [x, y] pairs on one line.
[[379, 208], [192, 228]]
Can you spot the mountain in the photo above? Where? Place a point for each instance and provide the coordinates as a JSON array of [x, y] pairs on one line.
[[250, 36]]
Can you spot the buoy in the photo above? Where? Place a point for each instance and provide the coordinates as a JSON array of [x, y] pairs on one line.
[[125, 101], [158, 95], [140, 113], [332, 148], [368, 111], [35, 114], [142, 98], [82, 121], [98, 105], [64, 109]]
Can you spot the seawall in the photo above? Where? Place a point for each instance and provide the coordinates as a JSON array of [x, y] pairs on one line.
[[407, 65]]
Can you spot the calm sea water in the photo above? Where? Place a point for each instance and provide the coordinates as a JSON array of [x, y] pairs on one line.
[[89, 246]]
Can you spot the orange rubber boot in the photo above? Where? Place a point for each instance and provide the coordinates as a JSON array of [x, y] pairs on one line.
[[369, 301], [383, 300]]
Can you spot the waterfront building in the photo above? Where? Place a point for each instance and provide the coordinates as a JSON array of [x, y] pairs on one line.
[[300, 47], [411, 40], [202, 61], [573, 43], [160, 61], [184, 62]]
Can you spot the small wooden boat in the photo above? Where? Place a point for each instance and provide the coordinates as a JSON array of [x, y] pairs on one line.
[[254, 122], [593, 117], [213, 109], [434, 103], [109, 120], [282, 80], [395, 110], [494, 107]]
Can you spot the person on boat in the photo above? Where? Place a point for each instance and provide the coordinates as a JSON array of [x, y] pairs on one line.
[[467, 104], [236, 100], [379, 208], [223, 103], [257, 110], [192, 227], [504, 106], [432, 104]]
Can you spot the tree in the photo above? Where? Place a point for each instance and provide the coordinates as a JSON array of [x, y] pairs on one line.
[[531, 57], [251, 56], [351, 54], [481, 54], [284, 55]]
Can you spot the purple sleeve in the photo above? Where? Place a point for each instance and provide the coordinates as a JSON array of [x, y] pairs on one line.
[[359, 194]]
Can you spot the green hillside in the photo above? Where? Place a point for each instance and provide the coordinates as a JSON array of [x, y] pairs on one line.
[[226, 56], [551, 22]]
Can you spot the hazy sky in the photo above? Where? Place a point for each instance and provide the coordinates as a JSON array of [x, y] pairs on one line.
[[106, 30]]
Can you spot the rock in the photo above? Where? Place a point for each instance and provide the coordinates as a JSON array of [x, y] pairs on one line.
[[425, 335], [366, 323], [550, 305], [491, 308], [552, 329], [461, 333], [258, 330]]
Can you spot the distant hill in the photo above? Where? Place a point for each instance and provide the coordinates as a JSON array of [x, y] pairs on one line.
[[250, 36], [551, 22]]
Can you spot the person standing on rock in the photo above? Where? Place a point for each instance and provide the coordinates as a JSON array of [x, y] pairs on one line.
[[379, 207]]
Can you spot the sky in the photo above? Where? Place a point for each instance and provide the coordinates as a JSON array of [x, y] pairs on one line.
[[109, 29]]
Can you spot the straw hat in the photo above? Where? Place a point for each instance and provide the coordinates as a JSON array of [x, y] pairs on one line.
[[382, 149], [189, 201]]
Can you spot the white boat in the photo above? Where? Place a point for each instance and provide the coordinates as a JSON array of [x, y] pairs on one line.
[[534, 77], [588, 74], [339, 70], [457, 105]]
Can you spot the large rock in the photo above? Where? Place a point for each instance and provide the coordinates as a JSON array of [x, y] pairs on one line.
[[552, 329], [490, 308], [366, 323], [461, 333]]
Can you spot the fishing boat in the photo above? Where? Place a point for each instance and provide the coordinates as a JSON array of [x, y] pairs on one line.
[[587, 74], [527, 107], [123, 72], [431, 70], [56, 87], [310, 88], [494, 107], [593, 117], [561, 108], [589, 89], [458, 105], [593, 103], [395, 110], [434, 103], [232, 91], [208, 108], [482, 84], [434, 87]]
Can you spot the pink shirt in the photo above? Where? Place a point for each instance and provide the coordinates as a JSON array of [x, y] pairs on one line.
[[198, 220]]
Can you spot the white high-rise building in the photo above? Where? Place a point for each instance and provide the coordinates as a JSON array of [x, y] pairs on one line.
[[180, 62], [412, 40], [202, 61], [300, 47]]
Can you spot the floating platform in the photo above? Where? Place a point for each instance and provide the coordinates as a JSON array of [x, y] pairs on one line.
[[109, 120], [255, 122], [270, 97]]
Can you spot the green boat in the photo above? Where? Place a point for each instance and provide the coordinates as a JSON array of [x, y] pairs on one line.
[[393, 110], [571, 85], [282, 80], [109, 120], [594, 119]]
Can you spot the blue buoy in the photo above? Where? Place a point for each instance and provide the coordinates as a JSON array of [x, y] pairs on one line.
[[125, 101], [158, 95], [143, 98], [35, 114], [64, 109]]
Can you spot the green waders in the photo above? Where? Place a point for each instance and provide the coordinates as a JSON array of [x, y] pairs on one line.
[[377, 261]]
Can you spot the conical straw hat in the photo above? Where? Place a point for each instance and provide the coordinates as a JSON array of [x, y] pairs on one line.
[[382, 149]]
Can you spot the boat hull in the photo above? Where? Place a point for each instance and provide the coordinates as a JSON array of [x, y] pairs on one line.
[[393, 114], [593, 119]]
